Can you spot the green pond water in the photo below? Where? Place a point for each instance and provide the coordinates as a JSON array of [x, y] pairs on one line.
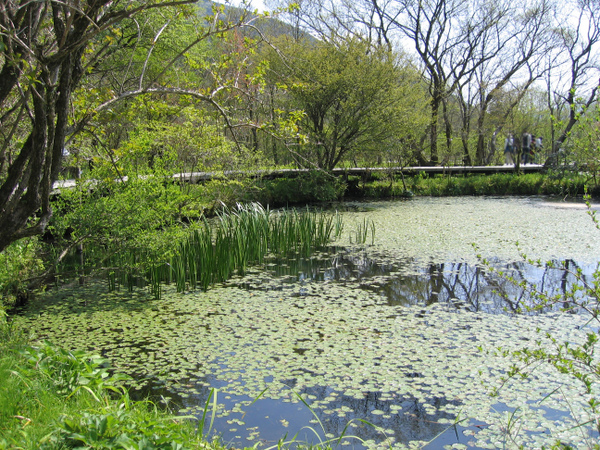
[[402, 333]]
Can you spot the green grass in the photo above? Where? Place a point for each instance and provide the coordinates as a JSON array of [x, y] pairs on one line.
[[54, 398]]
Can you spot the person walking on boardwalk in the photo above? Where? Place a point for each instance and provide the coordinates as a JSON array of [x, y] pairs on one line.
[[526, 147], [538, 148], [509, 150]]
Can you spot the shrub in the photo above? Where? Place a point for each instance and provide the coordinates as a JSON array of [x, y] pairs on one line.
[[314, 186], [19, 262]]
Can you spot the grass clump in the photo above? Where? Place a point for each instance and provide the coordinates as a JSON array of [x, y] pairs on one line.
[[214, 251], [53, 398]]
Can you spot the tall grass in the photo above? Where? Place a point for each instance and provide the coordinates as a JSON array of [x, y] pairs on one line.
[[361, 233], [236, 239]]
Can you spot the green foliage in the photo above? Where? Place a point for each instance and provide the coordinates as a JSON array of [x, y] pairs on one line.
[[457, 185], [313, 186], [125, 426], [53, 398], [499, 184], [121, 51], [355, 99], [68, 372], [19, 262], [181, 140], [581, 147], [229, 191], [129, 223]]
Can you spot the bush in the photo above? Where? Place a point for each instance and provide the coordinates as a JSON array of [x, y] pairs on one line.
[[314, 186], [498, 184], [19, 262]]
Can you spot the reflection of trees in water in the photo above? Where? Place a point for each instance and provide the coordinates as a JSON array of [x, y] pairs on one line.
[[411, 422], [475, 288], [459, 285]]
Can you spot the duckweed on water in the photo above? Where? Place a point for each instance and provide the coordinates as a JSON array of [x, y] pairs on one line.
[[392, 363]]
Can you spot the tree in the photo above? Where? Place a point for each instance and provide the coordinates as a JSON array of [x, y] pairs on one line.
[[460, 44], [351, 96], [578, 77], [48, 48], [444, 38], [469, 52], [522, 39]]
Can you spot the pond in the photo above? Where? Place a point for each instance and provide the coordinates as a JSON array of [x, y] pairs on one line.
[[403, 333]]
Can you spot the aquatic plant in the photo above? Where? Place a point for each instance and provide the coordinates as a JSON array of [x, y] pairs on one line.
[[361, 233], [342, 344], [236, 238], [320, 443]]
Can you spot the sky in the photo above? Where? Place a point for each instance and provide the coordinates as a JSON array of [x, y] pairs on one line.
[[255, 4]]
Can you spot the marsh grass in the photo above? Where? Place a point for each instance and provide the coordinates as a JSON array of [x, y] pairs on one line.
[[362, 231], [214, 251]]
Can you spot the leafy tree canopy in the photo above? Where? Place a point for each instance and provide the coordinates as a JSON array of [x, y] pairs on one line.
[[354, 97]]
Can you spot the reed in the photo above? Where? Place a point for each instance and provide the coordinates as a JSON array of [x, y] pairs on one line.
[[236, 239], [362, 231]]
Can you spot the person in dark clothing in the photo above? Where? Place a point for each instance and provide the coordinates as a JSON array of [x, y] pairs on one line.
[[508, 150], [526, 147]]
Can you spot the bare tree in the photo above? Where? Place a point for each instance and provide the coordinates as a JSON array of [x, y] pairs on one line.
[[516, 47], [445, 35], [578, 78]]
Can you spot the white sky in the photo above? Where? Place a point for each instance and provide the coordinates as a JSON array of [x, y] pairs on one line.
[[254, 4]]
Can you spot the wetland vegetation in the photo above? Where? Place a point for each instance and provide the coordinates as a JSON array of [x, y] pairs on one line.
[[404, 331]]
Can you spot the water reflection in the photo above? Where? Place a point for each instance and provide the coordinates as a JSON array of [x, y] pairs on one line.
[[459, 285], [397, 418]]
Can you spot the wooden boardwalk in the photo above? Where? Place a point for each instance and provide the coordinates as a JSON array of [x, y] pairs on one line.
[[197, 177], [364, 172]]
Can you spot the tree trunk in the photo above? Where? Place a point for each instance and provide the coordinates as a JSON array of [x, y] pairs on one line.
[[433, 128]]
